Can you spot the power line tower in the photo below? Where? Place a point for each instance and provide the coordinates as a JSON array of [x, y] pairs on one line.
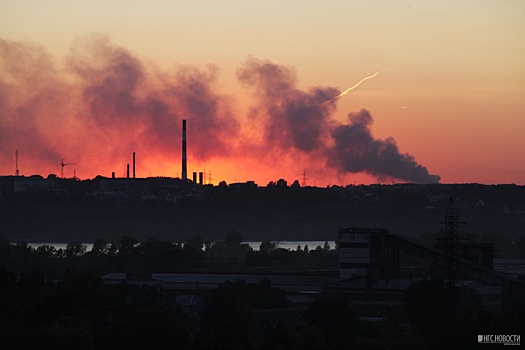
[[304, 179], [62, 164], [451, 237], [209, 178]]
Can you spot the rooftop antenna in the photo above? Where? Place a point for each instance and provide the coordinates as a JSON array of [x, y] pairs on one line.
[[17, 173], [62, 164]]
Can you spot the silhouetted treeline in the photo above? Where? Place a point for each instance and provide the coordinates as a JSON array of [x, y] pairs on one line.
[[445, 317], [128, 254], [168, 210], [82, 313]]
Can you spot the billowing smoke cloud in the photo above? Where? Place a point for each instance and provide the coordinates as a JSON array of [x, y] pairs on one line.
[[26, 74], [301, 121], [105, 103], [122, 95], [356, 151], [292, 118]]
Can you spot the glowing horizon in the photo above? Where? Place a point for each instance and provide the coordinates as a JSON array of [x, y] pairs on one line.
[[81, 82]]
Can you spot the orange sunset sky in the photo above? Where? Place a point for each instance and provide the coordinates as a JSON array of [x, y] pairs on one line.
[[90, 82]]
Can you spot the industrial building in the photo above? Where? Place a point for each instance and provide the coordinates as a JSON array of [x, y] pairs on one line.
[[370, 275], [364, 252], [202, 283]]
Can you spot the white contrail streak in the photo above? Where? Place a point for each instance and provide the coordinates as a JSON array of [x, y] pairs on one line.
[[356, 85]]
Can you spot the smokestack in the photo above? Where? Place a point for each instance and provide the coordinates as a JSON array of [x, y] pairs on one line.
[[201, 176], [17, 173], [194, 177], [112, 174], [127, 172], [184, 166], [133, 164]]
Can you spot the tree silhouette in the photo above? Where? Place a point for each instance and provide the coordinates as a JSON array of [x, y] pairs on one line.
[[445, 317], [233, 238], [75, 249], [126, 245], [100, 246], [228, 319]]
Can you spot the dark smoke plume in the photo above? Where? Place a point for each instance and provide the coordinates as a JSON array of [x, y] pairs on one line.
[[301, 121], [123, 95], [105, 103], [356, 150], [293, 118], [26, 74]]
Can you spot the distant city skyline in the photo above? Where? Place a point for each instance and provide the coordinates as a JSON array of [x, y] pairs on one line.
[[92, 82]]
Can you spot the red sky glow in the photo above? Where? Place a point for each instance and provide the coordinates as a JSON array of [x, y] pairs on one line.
[[449, 108]]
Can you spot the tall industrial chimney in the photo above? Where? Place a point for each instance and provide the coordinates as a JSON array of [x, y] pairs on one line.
[[127, 171], [184, 165], [133, 164], [17, 173]]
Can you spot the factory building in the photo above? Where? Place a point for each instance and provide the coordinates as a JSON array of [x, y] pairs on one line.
[[365, 252]]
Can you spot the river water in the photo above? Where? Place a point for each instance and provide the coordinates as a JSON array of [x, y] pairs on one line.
[[289, 245]]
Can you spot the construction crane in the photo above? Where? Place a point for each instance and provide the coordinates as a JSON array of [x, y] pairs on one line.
[[62, 164]]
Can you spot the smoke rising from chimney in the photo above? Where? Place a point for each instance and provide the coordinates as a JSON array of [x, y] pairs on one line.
[[302, 121], [105, 103]]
